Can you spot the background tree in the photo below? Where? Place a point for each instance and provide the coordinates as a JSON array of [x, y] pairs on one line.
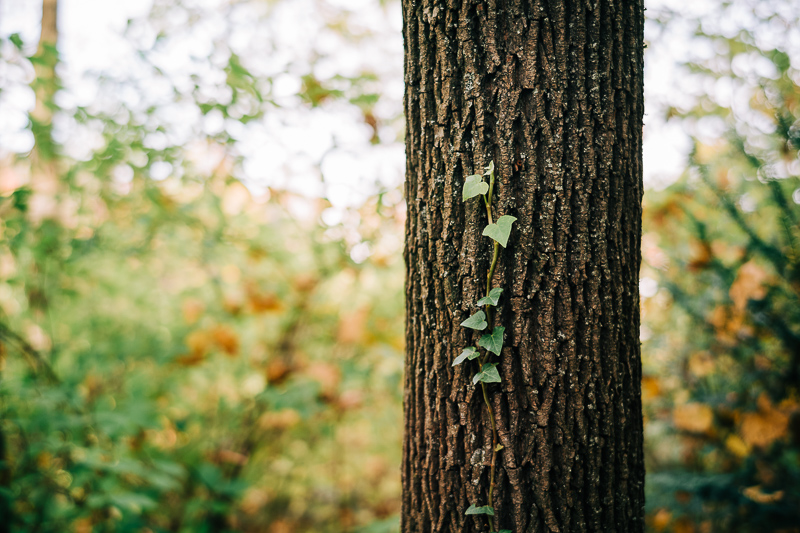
[[551, 92]]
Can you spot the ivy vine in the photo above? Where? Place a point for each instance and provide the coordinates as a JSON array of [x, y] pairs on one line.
[[492, 343]]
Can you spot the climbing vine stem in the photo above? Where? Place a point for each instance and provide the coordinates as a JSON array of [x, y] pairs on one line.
[[492, 343]]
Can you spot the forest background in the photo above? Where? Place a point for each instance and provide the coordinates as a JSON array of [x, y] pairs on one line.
[[201, 277]]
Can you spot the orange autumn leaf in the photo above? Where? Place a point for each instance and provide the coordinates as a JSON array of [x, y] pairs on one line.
[[749, 285], [651, 388], [283, 419], [700, 255], [278, 371], [192, 310], [190, 359], [765, 426], [661, 519], [701, 364], [326, 374], [261, 302], [226, 339], [693, 417], [683, 525], [759, 496], [352, 326]]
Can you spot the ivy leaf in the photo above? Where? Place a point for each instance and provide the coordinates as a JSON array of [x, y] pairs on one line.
[[476, 321], [16, 40], [500, 230], [493, 298], [473, 186], [489, 168], [468, 353], [486, 509], [488, 374], [494, 341], [505, 531]]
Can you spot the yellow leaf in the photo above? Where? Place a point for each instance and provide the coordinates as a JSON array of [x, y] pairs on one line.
[[701, 364], [759, 496], [282, 419], [737, 446], [198, 341], [693, 417]]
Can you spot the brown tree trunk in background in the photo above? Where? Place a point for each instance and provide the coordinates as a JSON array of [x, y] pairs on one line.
[[44, 171], [551, 91]]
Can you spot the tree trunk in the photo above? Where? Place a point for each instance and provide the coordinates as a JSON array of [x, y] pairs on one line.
[[551, 92], [44, 172]]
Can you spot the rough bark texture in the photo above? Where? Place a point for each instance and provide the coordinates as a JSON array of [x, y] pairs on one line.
[[551, 90]]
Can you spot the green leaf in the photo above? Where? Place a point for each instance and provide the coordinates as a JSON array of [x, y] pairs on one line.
[[468, 353], [16, 40], [476, 321], [493, 298], [505, 531], [489, 169], [488, 374], [500, 230], [494, 341], [486, 509], [473, 186]]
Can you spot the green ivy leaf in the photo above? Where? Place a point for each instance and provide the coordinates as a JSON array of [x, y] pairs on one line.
[[473, 186], [489, 169], [476, 321], [488, 374], [468, 353], [505, 531], [486, 509], [494, 341], [16, 40], [500, 230], [493, 298]]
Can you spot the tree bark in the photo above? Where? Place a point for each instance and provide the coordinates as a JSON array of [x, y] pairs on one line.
[[551, 91]]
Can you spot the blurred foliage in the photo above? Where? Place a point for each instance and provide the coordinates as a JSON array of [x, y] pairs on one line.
[[180, 353], [721, 288]]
